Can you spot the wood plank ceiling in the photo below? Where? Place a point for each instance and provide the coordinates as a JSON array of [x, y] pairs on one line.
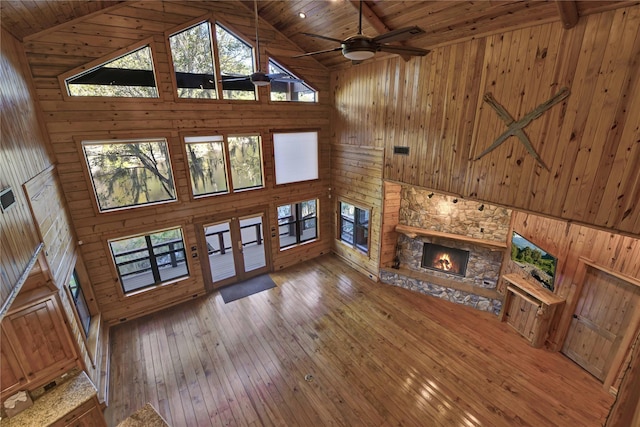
[[445, 22]]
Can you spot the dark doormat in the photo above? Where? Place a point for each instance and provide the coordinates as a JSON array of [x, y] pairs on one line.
[[246, 288]]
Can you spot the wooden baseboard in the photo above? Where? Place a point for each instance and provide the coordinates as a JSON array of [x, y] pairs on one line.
[[358, 268]]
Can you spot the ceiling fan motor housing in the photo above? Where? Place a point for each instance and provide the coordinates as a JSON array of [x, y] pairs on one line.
[[359, 47]]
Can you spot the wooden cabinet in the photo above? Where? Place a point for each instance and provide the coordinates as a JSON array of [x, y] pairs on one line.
[[529, 309], [12, 377], [36, 343], [89, 414]]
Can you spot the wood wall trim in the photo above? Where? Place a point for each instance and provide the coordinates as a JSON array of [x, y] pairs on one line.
[[568, 12], [619, 275], [21, 280]]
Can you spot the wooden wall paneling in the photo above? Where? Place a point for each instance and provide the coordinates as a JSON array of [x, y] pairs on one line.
[[71, 120], [602, 123], [390, 218], [568, 242], [580, 139], [24, 154]]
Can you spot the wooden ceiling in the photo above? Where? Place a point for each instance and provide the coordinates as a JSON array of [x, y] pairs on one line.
[[445, 22]]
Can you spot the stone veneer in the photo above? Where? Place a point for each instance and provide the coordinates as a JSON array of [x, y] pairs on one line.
[[455, 216]]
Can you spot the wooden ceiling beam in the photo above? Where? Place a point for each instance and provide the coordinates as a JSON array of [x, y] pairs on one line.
[[371, 17], [568, 13]]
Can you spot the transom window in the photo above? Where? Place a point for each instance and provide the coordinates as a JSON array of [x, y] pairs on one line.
[[130, 75], [210, 157], [129, 173], [80, 302], [297, 223], [289, 91], [354, 226], [148, 260]]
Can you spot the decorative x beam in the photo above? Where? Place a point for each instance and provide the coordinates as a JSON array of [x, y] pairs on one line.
[[515, 128]]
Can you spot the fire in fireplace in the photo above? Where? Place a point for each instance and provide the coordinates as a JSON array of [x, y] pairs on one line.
[[442, 258]]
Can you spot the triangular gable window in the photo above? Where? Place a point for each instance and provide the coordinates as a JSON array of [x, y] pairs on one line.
[[191, 52], [130, 76], [236, 59], [294, 90]]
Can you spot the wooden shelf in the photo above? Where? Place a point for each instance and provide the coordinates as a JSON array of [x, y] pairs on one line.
[[543, 295], [414, 232]]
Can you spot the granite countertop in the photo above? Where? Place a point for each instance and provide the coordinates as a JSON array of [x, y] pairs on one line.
[[147, 416], [55, 404]]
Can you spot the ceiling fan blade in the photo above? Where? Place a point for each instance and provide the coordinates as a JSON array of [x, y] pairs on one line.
[[236, 79], [289, 80], [320, 51], [399, 35], [404, 50], [277, 75], [318, 36]]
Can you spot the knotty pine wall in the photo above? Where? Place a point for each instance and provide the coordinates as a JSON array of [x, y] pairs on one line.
[[69, 121], [23, 156], [433, 105], [26, 166], [568, 242], [357, 179]]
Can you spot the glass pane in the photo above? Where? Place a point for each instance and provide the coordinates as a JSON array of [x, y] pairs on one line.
[[192, 57], [131, 257], [346, 231], [347, 210], [295, 156], [308, 230], [246, 161], [130, 75], [220, 252], [251, 230], [207, 166], [362, 238], [168, 249], [284, 213], [289, 91], [83, 311], [363, 216], [236, 59], [127, 174]]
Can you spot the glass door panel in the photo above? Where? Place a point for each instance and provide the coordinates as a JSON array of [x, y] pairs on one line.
[[220, 251], [253, 247]]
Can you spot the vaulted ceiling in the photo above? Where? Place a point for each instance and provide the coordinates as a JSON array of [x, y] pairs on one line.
[[444, 22]]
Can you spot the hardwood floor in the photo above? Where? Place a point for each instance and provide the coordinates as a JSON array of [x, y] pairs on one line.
[[328, 346]]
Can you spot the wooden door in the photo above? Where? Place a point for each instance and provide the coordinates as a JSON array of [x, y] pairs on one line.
[[606, 313], [236, 248]]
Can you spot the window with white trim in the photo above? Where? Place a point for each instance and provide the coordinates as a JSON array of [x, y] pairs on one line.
[[148, 260], [129, 173], [80, 302], [354, 226], [210, 157], [294, 90], [295, 156], [297, 223], [130, 76]]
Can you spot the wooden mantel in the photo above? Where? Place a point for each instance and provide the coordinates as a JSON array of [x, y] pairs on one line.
[[413, 232]]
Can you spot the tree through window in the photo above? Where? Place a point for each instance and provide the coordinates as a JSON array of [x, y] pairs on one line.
[[130, 75], [129, 173]]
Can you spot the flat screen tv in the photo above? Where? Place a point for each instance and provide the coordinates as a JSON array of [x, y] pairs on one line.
[[537, 263]]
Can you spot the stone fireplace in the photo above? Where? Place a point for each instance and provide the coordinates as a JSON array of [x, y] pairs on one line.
[[453, 250]]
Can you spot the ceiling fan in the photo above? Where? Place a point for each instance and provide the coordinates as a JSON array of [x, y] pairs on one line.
[[360, 47], [260, 78]]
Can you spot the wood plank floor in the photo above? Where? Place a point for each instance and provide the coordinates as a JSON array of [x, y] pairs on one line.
[[372, 355]]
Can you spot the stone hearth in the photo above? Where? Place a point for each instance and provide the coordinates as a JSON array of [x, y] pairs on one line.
[[425, 210]]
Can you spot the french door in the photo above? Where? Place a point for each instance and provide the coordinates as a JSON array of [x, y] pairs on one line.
[[236, 249]]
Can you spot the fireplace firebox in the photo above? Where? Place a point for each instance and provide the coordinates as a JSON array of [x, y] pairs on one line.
[[445, 259]]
